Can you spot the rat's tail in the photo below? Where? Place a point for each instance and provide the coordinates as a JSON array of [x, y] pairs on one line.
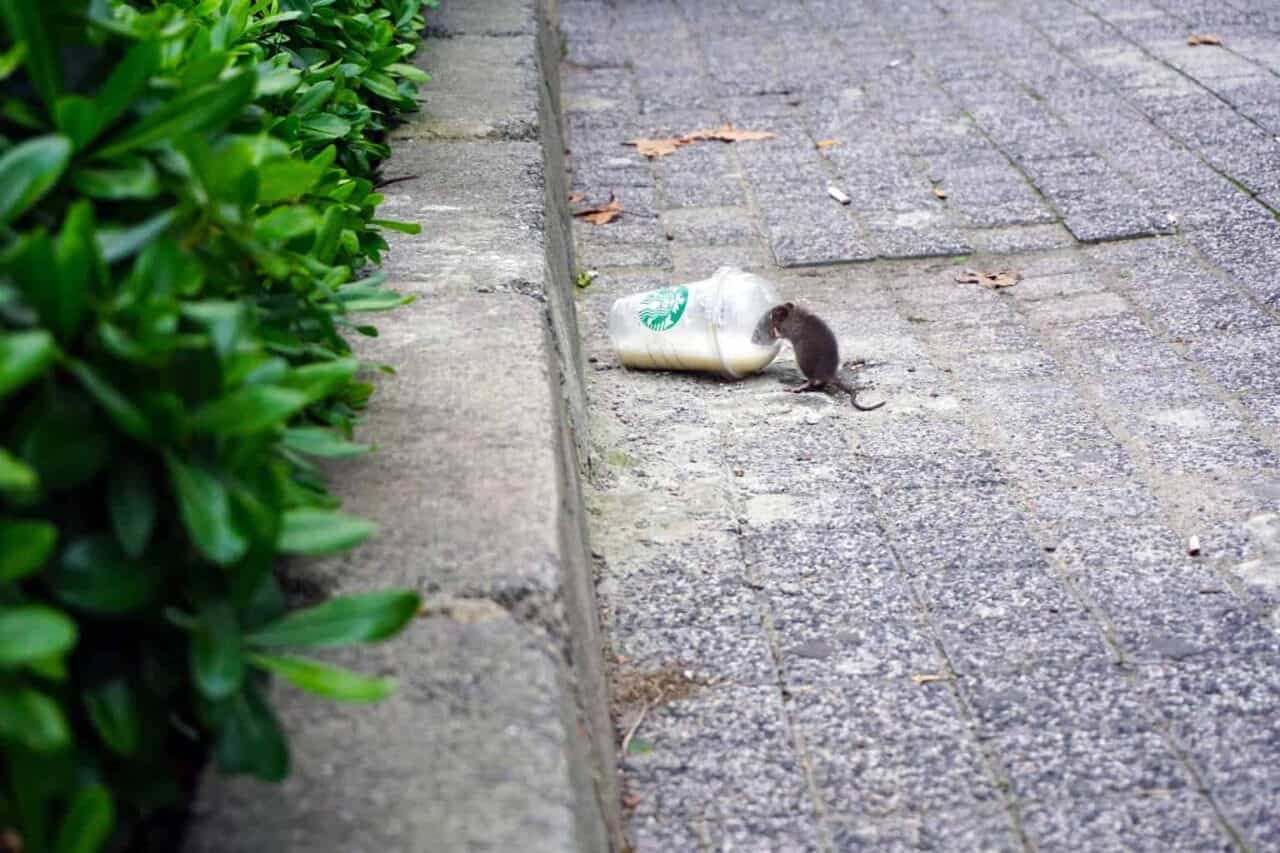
[[852, 391]]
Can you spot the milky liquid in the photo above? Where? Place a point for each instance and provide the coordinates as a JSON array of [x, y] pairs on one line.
[[703, 326]]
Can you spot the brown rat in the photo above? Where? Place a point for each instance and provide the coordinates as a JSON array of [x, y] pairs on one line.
[[817, 351]]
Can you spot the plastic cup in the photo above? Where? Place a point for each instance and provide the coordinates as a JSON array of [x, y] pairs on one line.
[[704, 326]]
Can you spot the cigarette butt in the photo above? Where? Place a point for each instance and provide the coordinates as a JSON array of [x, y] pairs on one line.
[[835, 193], [1193, 546]]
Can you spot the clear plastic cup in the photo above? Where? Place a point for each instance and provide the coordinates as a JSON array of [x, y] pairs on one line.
[[705, 325]]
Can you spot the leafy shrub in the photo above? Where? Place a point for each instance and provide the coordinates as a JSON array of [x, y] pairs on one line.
[[187, 206]]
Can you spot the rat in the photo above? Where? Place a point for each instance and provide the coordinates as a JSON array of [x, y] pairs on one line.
[[817, 351]]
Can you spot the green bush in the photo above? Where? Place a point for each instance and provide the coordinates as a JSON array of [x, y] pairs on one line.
[[187, 212]]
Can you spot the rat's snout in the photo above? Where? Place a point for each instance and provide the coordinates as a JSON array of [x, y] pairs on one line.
[[764, 333]]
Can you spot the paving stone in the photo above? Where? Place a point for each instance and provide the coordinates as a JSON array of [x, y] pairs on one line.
[[1030, 238], [906, 777], [1057, 287], [721, 753], [710, 226], [988, 828], [1147, 822]]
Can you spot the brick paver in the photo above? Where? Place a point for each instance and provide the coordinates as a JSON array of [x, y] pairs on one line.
[[970, 620]]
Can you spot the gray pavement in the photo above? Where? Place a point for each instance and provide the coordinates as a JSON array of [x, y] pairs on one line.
[[969, 620]]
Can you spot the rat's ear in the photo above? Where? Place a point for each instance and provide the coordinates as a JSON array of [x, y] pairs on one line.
[[780, 312], [790, 306]]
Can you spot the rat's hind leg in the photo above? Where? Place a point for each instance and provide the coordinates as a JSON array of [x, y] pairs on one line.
[[809, 385]]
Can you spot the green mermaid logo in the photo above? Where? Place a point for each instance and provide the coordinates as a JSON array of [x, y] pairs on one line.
[[663, 308]]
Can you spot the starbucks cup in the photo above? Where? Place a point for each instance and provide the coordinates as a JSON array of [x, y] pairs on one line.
[[705, 325]]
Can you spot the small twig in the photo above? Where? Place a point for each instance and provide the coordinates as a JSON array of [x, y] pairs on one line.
[[390, 181], [631, 732]]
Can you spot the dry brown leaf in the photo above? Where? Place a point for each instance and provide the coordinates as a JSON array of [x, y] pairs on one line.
[[939, 192], [1203, 38], [725, 133], [928, 677], [728, 133], [602, 214], [994, 280], [574, 198], [827, 143], [657, 147]]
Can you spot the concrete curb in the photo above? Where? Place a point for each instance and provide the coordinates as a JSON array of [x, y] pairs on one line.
[[499, 737]]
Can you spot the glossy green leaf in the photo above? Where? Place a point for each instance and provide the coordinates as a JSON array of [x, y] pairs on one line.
[[322, 442], [26, 23], [276, 80], [375, 302], [285, 223], [131, 503], [53, 668], [224, 321], [286, 179], [11, 60], [30, 169], [205, 508], [315, 532], [314, 98], [17, 478], [113, 710], [325, 246], [125, 178], [23, 357], [321, 379], [32, 719], [126, 82], [409, 72], [78, 262], [206, 108], [325, 126], [119, 243], [331, 682], [363, 618], [402, 227], [216, 659], [88, 822], [248, 410], [96, 575], [381, 85], [33, 631], [251, 740], [76, 117], [25, 546]]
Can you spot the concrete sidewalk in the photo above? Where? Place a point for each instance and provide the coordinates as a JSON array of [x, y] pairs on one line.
[[973, 619]]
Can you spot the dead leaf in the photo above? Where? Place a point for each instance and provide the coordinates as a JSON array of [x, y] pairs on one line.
[[630, 801], [994, 280], [728, 133], [1203, 38], [602, 214], [657, 147], [574, 198], [928, 677], [827, 143], [939, 192], [652, 148]]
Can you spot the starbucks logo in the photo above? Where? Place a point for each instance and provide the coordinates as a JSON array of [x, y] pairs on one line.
[[663, 308]]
